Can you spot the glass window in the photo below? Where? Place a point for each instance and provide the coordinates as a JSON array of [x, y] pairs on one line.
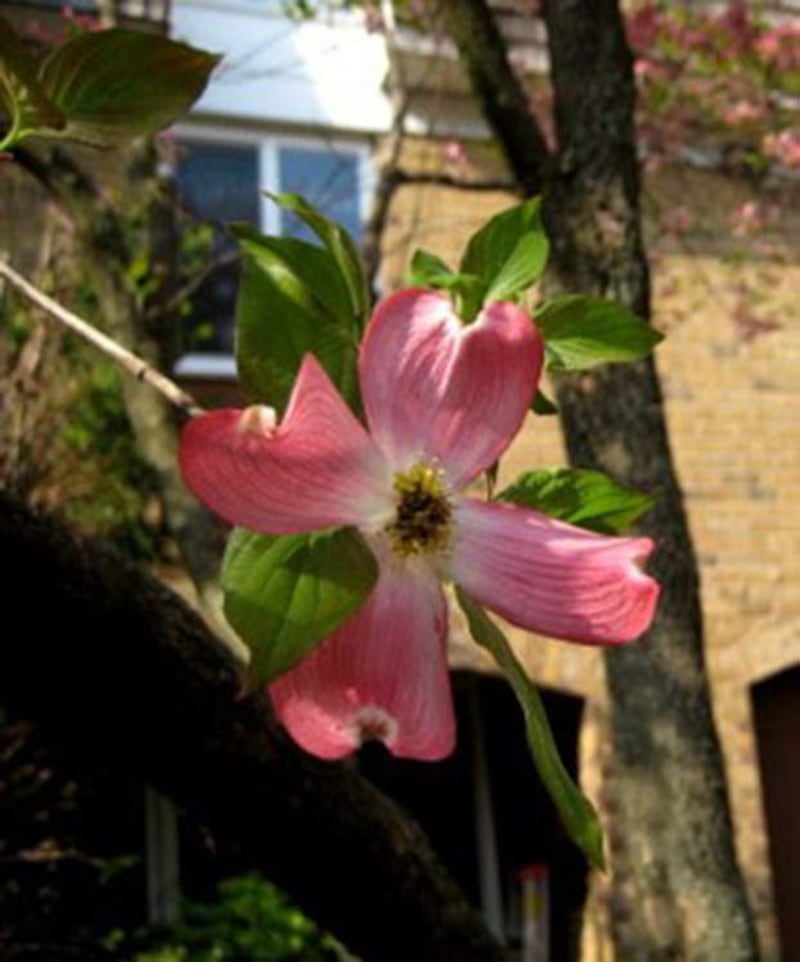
[[221, 182], [328, 179], [149, 9], [60, 4], [218, 184]]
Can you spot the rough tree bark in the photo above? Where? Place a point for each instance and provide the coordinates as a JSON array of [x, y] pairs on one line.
[[677, 889], [124, 677]]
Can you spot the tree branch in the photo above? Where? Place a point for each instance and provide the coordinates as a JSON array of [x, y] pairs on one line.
[[438, 178], [135, 366], [592, 201], [503, 98], [391, 179], [385, 187], [176, 299], [124, 676]]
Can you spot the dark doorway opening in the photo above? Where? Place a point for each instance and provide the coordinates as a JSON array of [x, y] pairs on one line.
[[445, 799], [776, 710]]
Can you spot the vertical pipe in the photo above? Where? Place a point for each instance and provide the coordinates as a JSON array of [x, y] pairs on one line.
[[163, 859], [488, 862], [535, 882]]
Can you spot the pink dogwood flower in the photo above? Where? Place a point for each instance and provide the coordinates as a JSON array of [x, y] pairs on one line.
[[443, 401]]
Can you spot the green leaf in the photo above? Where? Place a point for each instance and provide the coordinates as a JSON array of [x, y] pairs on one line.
[[468, 291], [577, 813], [22, 99], [523, 268], [581, 331], [588, 499], [284, 595], [313, 265], [292, 300], [542, 404], [428, 270], [509, 252], [116, 84], [341, 247]]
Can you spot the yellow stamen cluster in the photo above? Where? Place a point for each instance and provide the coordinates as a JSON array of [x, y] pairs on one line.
[[422, 521]]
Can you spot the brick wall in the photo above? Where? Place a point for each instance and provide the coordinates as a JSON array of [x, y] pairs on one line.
[[729, 370]]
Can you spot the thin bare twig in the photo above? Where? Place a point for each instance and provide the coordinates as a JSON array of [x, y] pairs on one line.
[[226, 259], [128, 361], [442, 179]]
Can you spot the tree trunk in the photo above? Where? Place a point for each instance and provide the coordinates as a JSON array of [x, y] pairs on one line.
[[677, 890], [124, 677]]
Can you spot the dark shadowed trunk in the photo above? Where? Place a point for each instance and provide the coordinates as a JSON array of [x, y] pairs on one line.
[[677, 890], [125, 678]]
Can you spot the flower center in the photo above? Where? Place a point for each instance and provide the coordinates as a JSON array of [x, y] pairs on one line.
[[422, 522]]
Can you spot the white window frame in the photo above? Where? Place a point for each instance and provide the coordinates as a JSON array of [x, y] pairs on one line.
[[220, 366], [275, 9]]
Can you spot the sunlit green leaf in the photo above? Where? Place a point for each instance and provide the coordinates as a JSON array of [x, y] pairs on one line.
[[340, 245], [581, 331], [523, 267], [577, 813], [588, 499], [427, 270], [509, 252], [292, 300], [285, 594]]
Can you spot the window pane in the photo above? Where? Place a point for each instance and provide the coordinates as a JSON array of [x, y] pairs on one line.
[[60, 4], [218, 184], [328, 179]]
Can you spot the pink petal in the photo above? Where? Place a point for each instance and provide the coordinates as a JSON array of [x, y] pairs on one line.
[[436, 389], [552, 578], [318, 468], [382, 675]]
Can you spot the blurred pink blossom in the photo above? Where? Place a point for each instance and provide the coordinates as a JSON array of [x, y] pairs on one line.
[[784, 147], [677, 220], [752, 218], [744, 111], [454, 153]]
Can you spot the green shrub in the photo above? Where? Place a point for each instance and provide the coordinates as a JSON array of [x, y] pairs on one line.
[[252, 921]]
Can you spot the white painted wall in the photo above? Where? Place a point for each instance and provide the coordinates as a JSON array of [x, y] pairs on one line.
[[325, 73]]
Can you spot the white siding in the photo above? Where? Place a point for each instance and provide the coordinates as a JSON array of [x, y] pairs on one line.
[[327, 73]]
